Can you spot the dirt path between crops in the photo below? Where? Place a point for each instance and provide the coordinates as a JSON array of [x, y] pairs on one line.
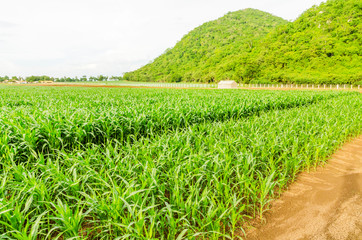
[[325, 204]]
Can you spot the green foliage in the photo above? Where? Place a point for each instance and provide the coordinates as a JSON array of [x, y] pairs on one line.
[[111, 119], [2, 79], [100, 78], [322, 46], [207, 53], [89, 163], [38, 78]]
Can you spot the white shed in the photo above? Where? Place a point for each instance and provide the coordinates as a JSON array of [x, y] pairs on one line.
[[227, 84]]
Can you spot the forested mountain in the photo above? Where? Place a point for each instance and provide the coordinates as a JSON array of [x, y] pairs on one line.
[[202, 54], [322, 46]]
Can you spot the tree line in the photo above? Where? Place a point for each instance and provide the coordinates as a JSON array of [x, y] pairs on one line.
[[84, 78]]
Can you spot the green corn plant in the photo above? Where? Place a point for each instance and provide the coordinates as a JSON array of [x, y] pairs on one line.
[[157, 164]]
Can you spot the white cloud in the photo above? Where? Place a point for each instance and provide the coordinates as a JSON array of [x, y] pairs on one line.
[[92, 37]]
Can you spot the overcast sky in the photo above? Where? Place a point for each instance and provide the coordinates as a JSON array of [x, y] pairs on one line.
[[110, 37]]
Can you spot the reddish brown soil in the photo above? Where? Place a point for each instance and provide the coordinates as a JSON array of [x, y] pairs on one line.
[[302, 89], [115, 86], [325, 204], [100, 86]]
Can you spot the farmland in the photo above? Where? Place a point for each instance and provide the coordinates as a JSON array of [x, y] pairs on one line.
[[157, 163]]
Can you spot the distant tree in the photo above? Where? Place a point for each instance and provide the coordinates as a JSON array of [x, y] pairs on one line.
[[102, 78], [116, 78], [83, 78], [176, 77], [38, 78]]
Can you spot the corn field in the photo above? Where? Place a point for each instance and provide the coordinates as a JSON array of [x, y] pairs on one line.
[[92, 163]]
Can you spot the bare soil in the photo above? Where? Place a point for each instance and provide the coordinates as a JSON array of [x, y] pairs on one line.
[[325, 204], [115, 86], [100, 86]]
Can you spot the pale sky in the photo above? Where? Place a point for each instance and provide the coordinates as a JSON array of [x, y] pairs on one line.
[[110, 37]]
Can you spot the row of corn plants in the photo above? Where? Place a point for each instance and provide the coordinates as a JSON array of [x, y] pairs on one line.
[[46, 120], [202, 181]]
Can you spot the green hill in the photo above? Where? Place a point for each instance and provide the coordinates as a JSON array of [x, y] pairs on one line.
[[201, 54], [322, 46]]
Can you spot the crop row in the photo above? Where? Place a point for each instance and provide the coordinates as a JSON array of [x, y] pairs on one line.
[[46, 120], [199, 182]]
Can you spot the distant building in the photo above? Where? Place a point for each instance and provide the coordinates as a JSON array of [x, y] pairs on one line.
[[227, 84], [46, 82], [21, 82]]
